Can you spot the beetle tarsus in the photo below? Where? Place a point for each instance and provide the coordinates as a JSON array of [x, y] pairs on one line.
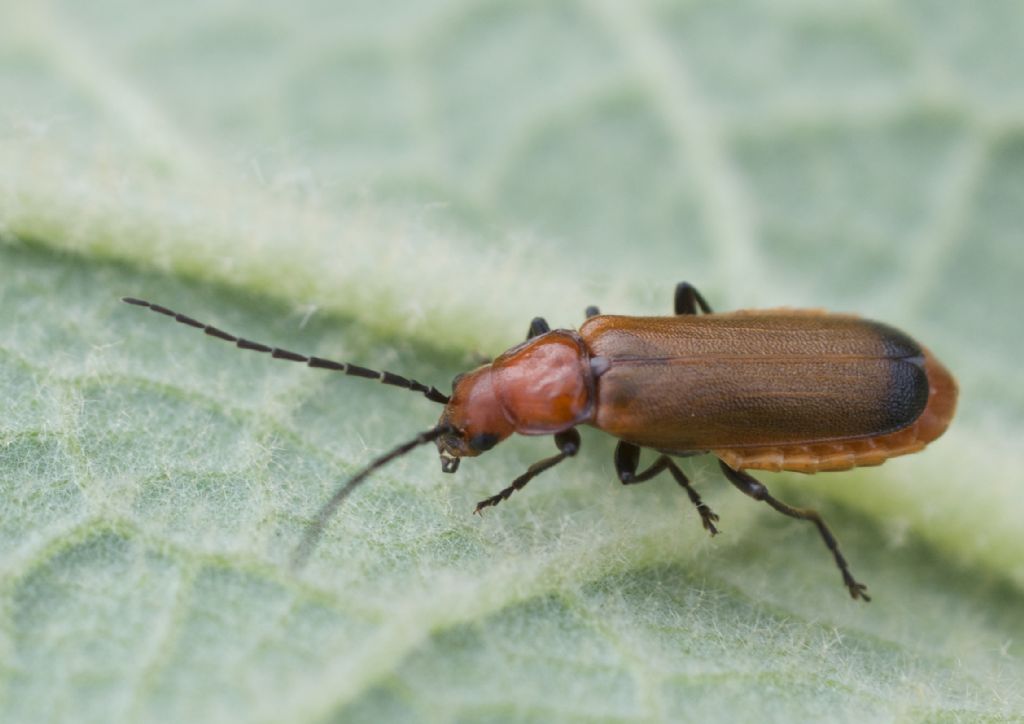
[[757, 490], [627, 459], [568, 443], [688, 300], [708, 518], [857, 590], [538, 326]]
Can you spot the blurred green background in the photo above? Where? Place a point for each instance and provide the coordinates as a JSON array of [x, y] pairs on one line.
[[405, 185]]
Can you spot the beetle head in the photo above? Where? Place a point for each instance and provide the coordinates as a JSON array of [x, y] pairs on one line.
[[475, 418]]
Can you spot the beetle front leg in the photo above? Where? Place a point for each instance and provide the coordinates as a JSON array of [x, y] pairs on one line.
[[568, 443], [758, 491], [688, 299], [627, 459]]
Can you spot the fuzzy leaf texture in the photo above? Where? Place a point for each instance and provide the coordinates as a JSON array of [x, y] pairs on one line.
[[404, 185]]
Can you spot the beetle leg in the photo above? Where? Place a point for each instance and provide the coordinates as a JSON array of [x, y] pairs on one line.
[[568, 443], [591, 311], [758, 491], [688, 299], [627, 459], [538, 326]]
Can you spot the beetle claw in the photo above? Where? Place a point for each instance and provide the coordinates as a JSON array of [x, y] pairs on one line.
[[708, 518], [487, 503], [857, 590]]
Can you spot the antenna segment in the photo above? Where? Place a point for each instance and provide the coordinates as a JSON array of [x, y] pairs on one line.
[[386, 378]]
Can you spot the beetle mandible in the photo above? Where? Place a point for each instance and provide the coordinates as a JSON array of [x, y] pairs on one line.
[[778, 389]]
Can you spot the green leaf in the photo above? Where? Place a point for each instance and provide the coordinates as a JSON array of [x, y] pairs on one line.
[[405, 185]]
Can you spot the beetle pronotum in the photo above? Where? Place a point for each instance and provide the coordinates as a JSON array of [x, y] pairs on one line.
[[778, 389]]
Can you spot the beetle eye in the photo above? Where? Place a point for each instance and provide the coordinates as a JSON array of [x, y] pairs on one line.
[[483, 441]]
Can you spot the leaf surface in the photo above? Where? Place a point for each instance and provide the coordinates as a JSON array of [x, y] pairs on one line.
[[404, 186]]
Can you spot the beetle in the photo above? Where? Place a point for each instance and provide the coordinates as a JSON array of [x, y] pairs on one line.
[[778, 389]]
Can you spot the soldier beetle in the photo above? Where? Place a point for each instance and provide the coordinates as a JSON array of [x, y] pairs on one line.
[[778, 389]]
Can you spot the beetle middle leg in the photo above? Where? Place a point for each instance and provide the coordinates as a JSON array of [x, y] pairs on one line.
[[627, 459], [688, 299], [568, 443], [757, 490]]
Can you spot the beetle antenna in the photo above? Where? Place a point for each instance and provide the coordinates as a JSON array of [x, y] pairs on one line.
[[316, 528], [387, 378]]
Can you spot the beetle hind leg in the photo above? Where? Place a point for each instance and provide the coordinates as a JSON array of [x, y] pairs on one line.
[[756, 490], [627, 459], [568, 443]]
